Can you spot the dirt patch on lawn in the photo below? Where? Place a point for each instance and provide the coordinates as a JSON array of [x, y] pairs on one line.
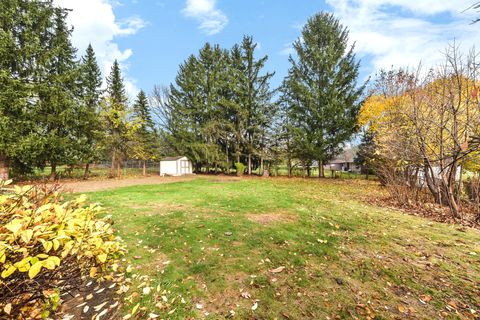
[[160, 262], [222, 302], [272, 218], [98, 185]]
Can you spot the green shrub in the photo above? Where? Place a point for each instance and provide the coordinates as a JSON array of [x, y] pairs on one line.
[[47, 245], [240, 167]]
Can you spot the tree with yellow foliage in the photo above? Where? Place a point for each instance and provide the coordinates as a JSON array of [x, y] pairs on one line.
[[425, 125]]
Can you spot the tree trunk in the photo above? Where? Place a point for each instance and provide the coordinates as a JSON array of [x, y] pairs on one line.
[[53, 173], [227, 169], [289, 167], [458, 193], [4, 167], [261, 166], [432, 185], [112, 168], [321, 171], [249, 164], [118, 167], [86, 173], [144, 167], [452, 203]]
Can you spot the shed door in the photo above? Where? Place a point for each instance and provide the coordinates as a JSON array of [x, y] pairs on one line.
[[184, 167]]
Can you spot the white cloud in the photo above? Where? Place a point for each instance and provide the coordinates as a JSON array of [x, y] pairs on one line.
[[94, 22], [211, 19], [287, 50], [403, 33]]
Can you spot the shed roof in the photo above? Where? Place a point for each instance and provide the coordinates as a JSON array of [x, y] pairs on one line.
[[172, 158]]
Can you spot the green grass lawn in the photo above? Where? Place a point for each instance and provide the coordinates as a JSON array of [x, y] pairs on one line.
[[294, 249]]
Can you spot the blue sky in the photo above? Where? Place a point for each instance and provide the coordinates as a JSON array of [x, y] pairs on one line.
[[151, 38], [170, 37]]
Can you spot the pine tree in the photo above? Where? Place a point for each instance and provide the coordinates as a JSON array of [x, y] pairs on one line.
[[322, 91], [89, 118], [120, 130], [255, 95], [146, 139], [23, 39], [195, 123], [116, 88], [58, 107]]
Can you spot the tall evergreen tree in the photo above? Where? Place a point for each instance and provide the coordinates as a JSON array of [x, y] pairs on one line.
[[195, 123], [255, 97], [23, 39], [220, 106], [116, 118], [89, 118], [146, 138], [322, 91], [58, 89]]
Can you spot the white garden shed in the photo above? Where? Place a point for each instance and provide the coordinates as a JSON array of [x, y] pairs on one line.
[[175, 166]]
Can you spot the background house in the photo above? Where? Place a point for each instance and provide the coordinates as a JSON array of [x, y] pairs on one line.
[[175, 166], [344, 162]]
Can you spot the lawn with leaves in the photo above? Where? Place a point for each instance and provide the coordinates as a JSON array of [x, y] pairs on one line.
[[289, 249]]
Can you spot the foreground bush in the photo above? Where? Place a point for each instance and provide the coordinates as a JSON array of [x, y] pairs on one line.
[[48, 247]]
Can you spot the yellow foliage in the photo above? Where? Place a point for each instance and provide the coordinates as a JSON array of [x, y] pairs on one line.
[[39, 233]]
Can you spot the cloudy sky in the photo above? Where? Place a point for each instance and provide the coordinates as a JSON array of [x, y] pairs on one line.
[[151, 38]]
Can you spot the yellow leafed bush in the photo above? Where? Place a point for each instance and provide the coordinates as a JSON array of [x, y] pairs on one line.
[[47, 243]]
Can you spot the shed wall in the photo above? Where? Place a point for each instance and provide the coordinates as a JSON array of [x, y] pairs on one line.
[[168, 167]]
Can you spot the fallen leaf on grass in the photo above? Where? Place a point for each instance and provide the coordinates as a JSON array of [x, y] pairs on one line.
[[360, 308], [135, 308], [402, 309], [426, 298], [100, 306], [8, 308], [255, 306], [101, 314], [277, 270]]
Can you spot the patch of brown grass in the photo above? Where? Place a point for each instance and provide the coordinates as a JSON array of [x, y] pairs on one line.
[[272, 217], [220, 302]]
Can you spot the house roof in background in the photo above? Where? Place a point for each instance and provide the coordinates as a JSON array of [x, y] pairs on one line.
[[348, 155]]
